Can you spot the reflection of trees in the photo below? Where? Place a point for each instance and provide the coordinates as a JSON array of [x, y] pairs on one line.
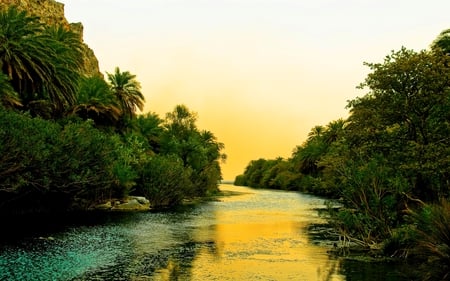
[[365, 271], [330, 270]]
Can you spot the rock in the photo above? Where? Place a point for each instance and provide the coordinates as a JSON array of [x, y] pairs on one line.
[[105, 206], [133, 204], [141, 200]]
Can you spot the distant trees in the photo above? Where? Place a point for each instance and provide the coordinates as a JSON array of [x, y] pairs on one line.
[[276, 174]]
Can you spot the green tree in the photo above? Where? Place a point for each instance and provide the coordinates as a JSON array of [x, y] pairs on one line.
[[308, 155], [165, 181], [149, 128], [433, 240], [442, 42], [67, 63], [25, 52], [405, 117], [198, 150], [39, 64], [127, 91], [96, 101], [8, 97], [58, 167], [394, 145], [180, 133]]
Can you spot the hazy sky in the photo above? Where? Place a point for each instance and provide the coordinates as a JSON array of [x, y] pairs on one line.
[[259, 73]]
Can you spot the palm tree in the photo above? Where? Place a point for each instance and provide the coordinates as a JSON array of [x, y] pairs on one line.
[[212, 146], [316, 132], [8, 97], [333, 131], [127, 91], [68, 63], [96, 101], [24, 52], [149, 126], [37, 63]]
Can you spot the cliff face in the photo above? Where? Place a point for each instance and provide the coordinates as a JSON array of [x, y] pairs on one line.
[[52, 12]]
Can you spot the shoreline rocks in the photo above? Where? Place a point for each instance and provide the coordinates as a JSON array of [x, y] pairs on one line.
[[131, 203]]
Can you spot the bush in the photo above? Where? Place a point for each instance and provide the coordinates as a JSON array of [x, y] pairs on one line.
[[433, 240], [165, 181], [46, 166]]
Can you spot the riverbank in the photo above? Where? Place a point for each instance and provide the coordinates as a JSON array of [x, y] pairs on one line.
[[42, 224]]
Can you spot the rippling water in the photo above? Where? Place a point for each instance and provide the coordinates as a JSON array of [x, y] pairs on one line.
[[257, 235]]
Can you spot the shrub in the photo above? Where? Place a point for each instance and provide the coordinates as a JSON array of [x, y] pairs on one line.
[[433, 240], [164, 181]]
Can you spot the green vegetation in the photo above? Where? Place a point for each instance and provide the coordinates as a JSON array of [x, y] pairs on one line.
[[389, 158], [70, 142]]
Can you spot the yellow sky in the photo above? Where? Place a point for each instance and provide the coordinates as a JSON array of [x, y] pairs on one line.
[[259, 73]]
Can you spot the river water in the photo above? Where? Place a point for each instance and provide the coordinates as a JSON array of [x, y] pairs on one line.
[[255, 235]]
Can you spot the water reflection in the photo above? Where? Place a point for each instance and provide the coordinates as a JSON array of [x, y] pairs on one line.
[[261, 236], [257, 235]]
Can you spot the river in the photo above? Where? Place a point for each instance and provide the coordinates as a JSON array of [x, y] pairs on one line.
[[254, 235]]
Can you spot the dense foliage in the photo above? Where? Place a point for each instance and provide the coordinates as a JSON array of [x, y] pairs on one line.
[[389, 158], [69, 142]]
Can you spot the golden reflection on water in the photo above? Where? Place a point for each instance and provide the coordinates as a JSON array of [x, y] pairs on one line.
[[259, 244], [262, 251]]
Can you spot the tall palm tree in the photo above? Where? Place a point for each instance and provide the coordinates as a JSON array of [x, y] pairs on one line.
[[316, 132], [127, 91], [333, 131], [36, 62], [68, 63], [96, 101], [24, 52], [212, 146]]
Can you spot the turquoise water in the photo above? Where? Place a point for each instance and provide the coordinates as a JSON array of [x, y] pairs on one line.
[[257, 235]]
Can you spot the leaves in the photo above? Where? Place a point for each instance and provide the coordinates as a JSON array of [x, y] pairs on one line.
[[42, 62], [127, 91]]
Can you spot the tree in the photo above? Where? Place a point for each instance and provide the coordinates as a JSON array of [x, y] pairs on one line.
[[165, 181], [308, 155], [394, 148], [442, 42], [334, 131], [149, 127], [39, 64], [96, 101], [181, 129], [8, 97], [198, 150], [127, 91], [58, 167], [68, 62], [406, 117]]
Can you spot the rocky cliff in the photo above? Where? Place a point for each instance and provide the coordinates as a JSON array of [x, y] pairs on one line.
[[52, 12]]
